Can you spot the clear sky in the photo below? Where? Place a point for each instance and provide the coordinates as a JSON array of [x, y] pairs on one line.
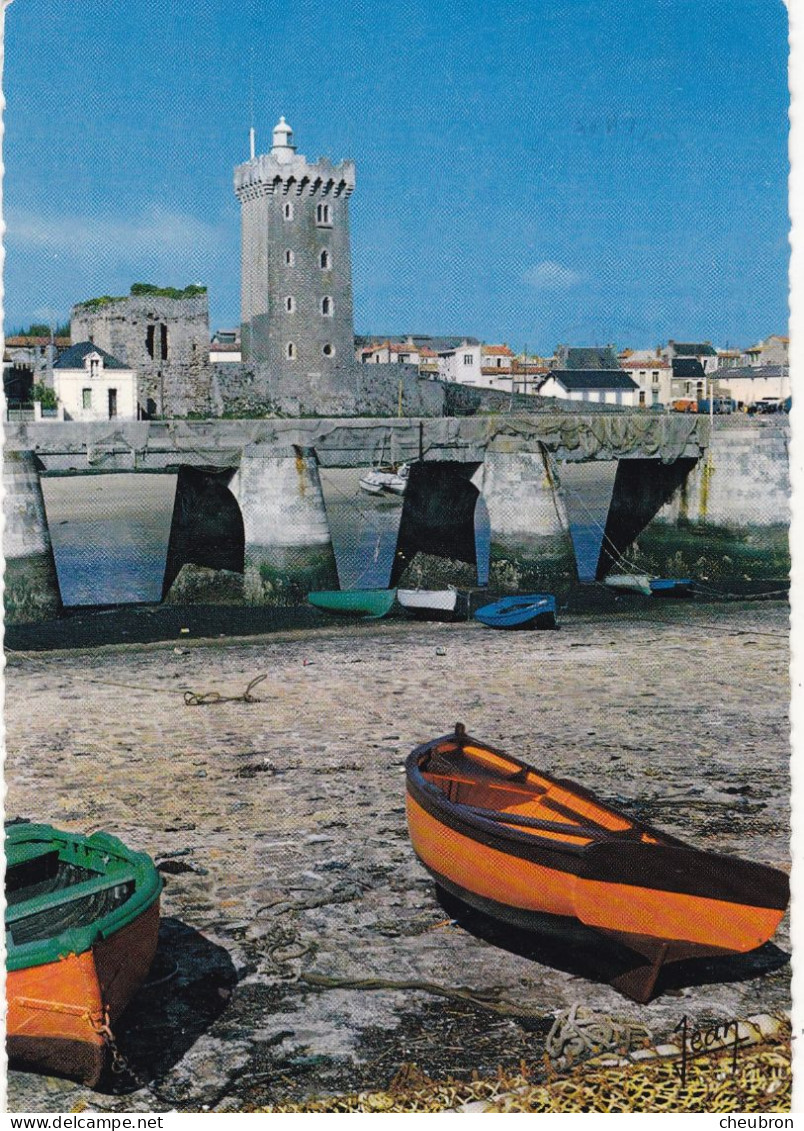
[[531, 172]]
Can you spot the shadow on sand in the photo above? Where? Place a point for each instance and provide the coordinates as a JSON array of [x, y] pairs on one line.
[[188, 988], [584, 953]]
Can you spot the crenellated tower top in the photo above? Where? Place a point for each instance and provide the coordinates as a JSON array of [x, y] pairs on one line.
[[283, 170]]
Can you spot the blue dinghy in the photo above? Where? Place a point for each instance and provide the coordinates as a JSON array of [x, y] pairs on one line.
[[527, 610]]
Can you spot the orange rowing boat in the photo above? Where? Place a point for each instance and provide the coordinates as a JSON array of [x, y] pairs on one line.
[[519, 845], [82, 917]]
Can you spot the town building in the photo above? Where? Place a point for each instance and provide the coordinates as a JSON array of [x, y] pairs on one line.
[[704, 352], [27, 361], [91, 384], [774, 350], [593, 386], [751, 383], [586, 357], [390, 353], [688, 379], [462, 363], [225, 346], [653, 375], [296, 274], [729, 358]]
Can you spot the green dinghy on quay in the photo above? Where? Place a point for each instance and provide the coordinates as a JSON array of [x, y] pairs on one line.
[[369, 603]]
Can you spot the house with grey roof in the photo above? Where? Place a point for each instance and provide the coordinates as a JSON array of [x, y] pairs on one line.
[[586, 357], [595, 386], [91, 384], [704, 352]]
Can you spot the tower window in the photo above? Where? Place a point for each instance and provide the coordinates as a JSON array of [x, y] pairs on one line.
[[290, 304], [326, 306], [287, 210], [290, 258], [322, 214], [328, 350], [291, 351], [325, 260]]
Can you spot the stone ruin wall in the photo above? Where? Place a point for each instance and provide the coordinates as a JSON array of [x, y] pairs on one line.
[[166, 340]]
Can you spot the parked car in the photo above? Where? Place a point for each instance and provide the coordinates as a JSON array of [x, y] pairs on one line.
[[721, 404], [684, 404], [766, 405]]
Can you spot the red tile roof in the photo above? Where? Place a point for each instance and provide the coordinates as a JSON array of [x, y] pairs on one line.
[[504, 350]]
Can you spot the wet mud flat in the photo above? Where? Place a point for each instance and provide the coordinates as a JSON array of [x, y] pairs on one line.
[[304, 950]]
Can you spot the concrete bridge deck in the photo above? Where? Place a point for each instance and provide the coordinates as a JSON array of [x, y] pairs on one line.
[[107, 446]]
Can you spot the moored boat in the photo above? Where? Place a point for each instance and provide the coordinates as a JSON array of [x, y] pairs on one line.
[[524, 847], [672, 587], [369, 603], [82, 917], [434, 604], [629, 582], [385, 481], [531, 610]]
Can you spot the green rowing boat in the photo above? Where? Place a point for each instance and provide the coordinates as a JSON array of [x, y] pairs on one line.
[[369, 603]]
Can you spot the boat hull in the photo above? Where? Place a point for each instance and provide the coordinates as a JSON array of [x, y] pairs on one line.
[[672, 587], [659, 897], [57, 1011], [433, 604], [369, 603], [536, 610]]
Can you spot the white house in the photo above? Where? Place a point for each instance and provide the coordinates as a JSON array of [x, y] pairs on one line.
[[225, 346], [593, 386], [652, 374], [462, 364], [90, 384]]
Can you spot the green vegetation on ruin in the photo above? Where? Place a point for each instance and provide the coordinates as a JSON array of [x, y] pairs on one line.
[[139, 290]]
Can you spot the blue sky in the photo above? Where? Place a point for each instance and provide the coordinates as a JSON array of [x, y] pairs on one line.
[[539, 173]]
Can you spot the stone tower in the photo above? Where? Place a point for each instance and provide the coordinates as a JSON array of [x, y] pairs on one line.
[[296, 265]]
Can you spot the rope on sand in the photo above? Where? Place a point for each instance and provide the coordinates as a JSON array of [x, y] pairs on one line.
[[486, 999], [211, 698]]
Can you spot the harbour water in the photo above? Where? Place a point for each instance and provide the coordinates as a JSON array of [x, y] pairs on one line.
[[110, 534]]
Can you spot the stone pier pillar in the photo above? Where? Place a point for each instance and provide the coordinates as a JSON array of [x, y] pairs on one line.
[[288, 547], [531, 547], [31, 584]]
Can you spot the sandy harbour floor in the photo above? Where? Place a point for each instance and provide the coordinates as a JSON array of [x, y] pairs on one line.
[[280, 828]]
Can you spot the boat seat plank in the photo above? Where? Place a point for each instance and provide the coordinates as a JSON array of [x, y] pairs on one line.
[[592, 832], [61, 896], [574, 831], [578, 815], [449, 765], [503, 786]]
